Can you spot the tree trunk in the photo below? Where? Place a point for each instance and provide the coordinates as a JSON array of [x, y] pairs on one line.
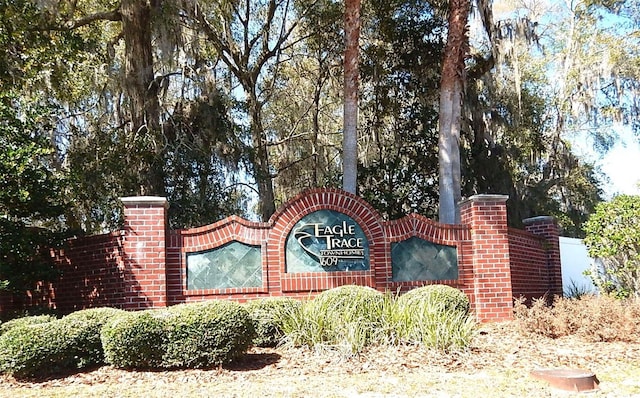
[[142, 92], [260, 161], [451, 87], [350, 133]]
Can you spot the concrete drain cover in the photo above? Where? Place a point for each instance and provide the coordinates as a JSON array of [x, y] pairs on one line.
[[568, 379]]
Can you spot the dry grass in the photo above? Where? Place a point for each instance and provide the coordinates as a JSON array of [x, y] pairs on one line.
[[592, 318]]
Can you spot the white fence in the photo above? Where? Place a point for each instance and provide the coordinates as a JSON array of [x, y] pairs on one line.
[[575, 260]]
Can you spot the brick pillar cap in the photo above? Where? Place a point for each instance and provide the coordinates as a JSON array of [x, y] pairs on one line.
[[145, 200], [485, 198], [539, 220]]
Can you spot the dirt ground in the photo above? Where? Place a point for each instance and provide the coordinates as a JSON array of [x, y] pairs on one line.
[[498, 364]]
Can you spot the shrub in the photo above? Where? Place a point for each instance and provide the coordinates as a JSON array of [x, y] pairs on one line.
[[27, 320], [436, 316], [40, 349], [183, 336], [207, 334], [591, 317], [87, 348], [613, 238], [29, 349], [135, 339], [268, 318]]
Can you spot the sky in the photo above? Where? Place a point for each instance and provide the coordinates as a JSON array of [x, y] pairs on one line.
[[621, 164]]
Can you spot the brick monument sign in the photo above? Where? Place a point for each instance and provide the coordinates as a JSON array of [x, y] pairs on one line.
[[321, 239]]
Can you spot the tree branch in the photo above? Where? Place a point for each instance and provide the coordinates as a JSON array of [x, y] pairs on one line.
[[113, 15]]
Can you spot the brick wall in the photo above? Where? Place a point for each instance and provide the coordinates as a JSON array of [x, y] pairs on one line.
[[92, 273], [144, 265], [535, 259]]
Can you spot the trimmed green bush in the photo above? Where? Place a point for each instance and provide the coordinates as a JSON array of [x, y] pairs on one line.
[[135, 339], [206, 334], [192, 335], [26, 350], [268, 316], [88, 347], [27, 320], [44, 348], [445, 297]]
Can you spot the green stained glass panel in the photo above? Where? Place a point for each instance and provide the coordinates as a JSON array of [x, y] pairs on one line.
[[233, 265], [416, 259]]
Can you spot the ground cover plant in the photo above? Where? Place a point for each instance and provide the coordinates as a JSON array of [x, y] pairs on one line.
[[496, 360]]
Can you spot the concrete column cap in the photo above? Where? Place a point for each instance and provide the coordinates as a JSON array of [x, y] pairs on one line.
[[539, 220], [485, 198], [145, 200]]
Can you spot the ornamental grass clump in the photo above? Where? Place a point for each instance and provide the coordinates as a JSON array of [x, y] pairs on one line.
[[435, 316], [446, 297], [347, 318]]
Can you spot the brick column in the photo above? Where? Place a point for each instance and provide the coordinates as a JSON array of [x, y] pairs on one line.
[[144, 252], [547, 227], [486, 216]]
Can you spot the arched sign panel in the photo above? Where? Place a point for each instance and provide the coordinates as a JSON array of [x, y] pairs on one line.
[[325, 241]]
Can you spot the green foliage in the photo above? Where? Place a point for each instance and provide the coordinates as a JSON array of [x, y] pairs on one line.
[[613, 239], [184, 336], [268, 316], [442, 297], [428, 325], [205, 334], [135, 339], [31, 201], [576, 290], [351, 318], [88, 350], [26, 320], [31, 349], [346, 317], [400, 70], [436, 316]]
